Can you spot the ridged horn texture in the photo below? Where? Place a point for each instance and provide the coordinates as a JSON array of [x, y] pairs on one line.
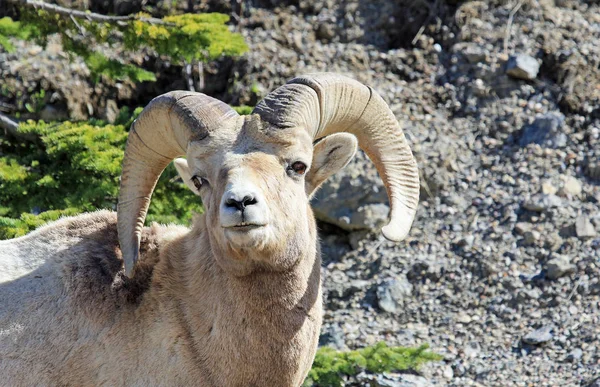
[[331, 103], [161, 132]]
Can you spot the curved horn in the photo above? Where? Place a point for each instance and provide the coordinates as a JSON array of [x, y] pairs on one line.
[[160, 133], [330, 103]]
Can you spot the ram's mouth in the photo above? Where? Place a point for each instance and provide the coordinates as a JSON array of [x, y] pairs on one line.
[[242, 227]]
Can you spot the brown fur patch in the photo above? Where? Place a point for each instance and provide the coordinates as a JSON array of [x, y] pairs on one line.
[[94, 267]]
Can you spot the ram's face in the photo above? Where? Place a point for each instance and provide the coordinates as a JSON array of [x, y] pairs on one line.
[[255, 183]]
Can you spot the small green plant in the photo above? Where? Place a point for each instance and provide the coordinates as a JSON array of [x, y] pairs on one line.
[[38, 101], [243, 110], [330, 366], [12, 29]]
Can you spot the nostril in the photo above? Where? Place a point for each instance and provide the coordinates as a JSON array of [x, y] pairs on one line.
[[234, 203], [248, 201]]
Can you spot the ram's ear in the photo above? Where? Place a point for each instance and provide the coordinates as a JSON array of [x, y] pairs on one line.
[[330, 155], [184, 171]]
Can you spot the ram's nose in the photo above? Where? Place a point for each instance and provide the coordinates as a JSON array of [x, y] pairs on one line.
[[242, 206], [234, 201]]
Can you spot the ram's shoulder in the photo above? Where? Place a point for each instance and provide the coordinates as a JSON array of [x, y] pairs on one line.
[[83, 250]]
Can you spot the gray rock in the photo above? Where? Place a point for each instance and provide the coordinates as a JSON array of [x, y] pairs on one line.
[[111, 111], [546, 130], [356, 238], [542, 202], [584, 229], [596, 220], [539, 336], [332, 336], [575, 355], [522, 67], [594, 383], [326, 31], [472, 349], [592, 169], [571, 187], [522, 227], [356, 186], [473, 52], [400, 380], [559, 267], [52, 113], [531, 237], [370, 216], [392, 293]]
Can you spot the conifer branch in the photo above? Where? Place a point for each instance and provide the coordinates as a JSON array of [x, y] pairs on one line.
[[91, 16]]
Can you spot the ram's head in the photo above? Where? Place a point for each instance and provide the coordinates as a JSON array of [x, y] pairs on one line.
[[256, 173]]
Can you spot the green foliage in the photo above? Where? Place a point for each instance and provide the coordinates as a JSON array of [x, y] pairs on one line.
[[181, 38], [12, 228], [187, 37], [243, 110], [100, 65], [37, 102], [73, 168], [330, 366], [10, 28]]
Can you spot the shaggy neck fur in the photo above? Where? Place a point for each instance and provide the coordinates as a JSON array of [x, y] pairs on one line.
[[257, 329]]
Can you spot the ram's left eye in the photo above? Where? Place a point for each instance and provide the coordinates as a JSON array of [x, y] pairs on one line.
[[299, 167]]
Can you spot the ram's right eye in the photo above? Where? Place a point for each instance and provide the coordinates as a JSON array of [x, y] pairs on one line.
[[199, 182]]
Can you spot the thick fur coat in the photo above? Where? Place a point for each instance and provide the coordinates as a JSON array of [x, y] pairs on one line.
[[68, 315]]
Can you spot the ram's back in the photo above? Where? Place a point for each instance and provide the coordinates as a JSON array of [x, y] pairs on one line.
[[61, 292]]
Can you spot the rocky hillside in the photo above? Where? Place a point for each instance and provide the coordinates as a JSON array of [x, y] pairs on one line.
[[501, 103]]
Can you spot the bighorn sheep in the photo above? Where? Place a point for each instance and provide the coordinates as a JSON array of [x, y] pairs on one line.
[[236, 299]]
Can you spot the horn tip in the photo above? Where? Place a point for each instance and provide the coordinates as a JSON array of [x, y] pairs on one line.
[[394, 233], [397, 231], [129, 259]]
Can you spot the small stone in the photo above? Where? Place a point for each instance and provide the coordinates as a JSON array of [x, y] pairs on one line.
[[297, 41], [530, 237], [473, 52], [392, 293], [52, 113], [559, 267], [111, 111], [575, 355], [522, 67], [472, 349], [464, 318], [584, 229], [571, 187], [522, 227], [592, 169], [466, 241], [333, 336], [546, 130], [548, 188], [539, 336], [399, 380], [447, 372], [508, 179], [542, 202], [325, 31]]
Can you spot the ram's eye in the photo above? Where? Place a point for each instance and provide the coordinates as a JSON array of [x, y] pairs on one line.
[[299, 167], [199, 182]]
